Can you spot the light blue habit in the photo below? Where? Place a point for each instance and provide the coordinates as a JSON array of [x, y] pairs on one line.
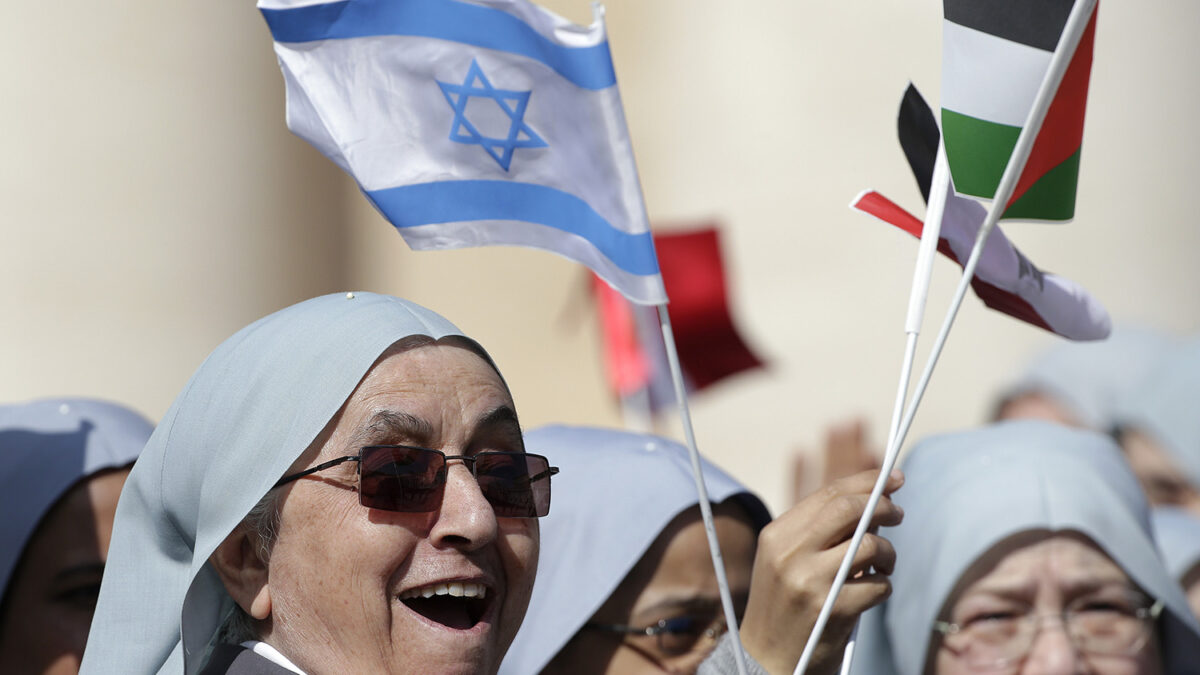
[[966, 492], [1088, 379], [250, 410], [1164, 406], [615, 494], [1178, 535], [46, 448]]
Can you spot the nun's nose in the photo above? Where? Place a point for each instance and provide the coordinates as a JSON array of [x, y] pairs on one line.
[[1052, 652]]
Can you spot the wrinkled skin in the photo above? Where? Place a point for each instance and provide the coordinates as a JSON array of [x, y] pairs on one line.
[[1042, 575], [328, 598]]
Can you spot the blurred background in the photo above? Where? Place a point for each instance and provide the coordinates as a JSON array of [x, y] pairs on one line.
[[152, 202]]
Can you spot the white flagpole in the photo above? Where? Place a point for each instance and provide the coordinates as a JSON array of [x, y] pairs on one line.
[[1077, 22], [922, 271], [714, 547]]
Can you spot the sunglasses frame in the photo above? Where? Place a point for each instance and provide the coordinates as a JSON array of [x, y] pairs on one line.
[[468, 460]]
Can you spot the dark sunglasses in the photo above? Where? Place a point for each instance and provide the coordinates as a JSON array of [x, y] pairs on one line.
[[410, 480]]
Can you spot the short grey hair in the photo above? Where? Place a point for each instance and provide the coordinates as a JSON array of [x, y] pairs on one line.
[[263, 523]]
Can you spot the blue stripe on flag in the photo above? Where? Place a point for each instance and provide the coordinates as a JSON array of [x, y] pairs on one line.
[[588, 67], [467, 200]]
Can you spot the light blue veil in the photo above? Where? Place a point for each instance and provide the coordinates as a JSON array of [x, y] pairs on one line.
[[616, 492], [1164, 405], [1178, 535], [46, 447], [966, 492]]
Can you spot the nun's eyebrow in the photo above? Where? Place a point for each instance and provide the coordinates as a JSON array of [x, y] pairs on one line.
[[67, 574], [392, 425], [499, 417]]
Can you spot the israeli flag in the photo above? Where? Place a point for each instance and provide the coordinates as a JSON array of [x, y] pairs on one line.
[[473, 123]]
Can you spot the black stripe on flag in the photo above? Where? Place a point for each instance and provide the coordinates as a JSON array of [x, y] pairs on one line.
[[1037, 23], [919, 136]]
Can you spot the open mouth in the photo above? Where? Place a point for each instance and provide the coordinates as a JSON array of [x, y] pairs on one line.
[[458, 605]]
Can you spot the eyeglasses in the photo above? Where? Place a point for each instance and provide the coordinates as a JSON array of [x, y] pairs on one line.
[[410, 480], [1108, 627], [675, 636]]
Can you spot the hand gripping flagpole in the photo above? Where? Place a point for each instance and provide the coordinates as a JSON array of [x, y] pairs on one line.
[[714, 548], [922, 271], [1077, 22], [917, 299]]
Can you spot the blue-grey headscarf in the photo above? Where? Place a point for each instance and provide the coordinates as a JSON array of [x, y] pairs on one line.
[[966, 492], [615, 494], [47, 447], [1089, 378], [1164, 406], [250, 410], [1178, 535]]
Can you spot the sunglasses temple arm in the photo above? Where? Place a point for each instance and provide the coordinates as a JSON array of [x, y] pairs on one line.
[[320, 467]]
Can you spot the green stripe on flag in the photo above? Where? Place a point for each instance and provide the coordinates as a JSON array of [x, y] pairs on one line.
[[1052, 197], [977, 152]]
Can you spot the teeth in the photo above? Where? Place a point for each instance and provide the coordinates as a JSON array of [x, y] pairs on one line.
[[457, 589]]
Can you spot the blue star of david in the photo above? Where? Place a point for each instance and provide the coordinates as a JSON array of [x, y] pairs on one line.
[[513, 103]]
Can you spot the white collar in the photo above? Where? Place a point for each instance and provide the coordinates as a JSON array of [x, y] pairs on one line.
[[271, 654]]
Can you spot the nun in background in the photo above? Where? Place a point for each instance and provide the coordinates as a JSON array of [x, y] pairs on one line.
[[1081, 383], [341, 487], [626, 584], [62, 465], [1178, 535], [1026, 548], [1159, 429]]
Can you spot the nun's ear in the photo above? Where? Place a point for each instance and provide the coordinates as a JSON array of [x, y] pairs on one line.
[[243, 571]]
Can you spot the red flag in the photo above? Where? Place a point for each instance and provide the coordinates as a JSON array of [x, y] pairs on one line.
[[710, 347]]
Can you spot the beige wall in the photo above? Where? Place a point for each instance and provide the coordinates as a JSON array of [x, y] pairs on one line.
[[151, 202]]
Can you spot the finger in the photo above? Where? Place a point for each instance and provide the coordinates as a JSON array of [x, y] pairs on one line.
[[843, 449], [837, 521], [859, 595], [799, 476], [874, 554], [864, 481]]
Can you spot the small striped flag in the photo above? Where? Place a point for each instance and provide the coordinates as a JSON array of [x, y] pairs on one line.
[[994, 58], [472, 124], [1005, 280]]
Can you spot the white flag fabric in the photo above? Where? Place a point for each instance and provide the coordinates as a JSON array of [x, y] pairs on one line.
[[1005, 279], [473, 123]]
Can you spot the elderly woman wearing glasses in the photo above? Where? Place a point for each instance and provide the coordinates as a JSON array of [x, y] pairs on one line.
[[340, 488], [626, 584], [1026, 548]]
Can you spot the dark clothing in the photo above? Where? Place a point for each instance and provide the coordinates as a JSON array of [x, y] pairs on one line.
[[238, 660]]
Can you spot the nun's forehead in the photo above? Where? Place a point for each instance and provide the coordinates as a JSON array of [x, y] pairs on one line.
[[1073, 567]]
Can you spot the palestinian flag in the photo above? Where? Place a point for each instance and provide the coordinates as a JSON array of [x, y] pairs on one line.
[[994, 58]]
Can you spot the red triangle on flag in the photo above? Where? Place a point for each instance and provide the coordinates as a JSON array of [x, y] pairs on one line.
[[1061, 135]]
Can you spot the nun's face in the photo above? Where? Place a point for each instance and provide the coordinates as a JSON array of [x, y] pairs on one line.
[[1164, 483], [1033, 586], [673, 582], [52, 594], [338, 570]]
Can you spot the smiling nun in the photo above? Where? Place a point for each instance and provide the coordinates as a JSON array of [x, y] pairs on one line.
[[340, 488], [1026, 548]]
